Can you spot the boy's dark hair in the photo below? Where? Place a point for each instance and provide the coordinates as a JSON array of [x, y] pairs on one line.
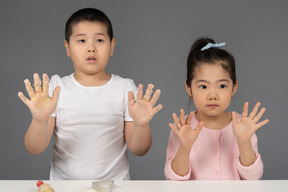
[[88, 14], [211, 56]]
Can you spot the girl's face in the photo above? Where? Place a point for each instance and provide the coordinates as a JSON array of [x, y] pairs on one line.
[[211, 89]]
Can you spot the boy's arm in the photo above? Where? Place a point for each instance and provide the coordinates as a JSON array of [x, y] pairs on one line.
[[137, 132], [138, 138], [41, 106], [38, 135]]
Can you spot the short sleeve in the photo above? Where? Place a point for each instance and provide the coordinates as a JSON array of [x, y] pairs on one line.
[[53, 83], [130, 87]]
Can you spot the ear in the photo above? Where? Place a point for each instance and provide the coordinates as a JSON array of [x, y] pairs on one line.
[[189, 90], [234, 88], [113, 43], [66, 44]]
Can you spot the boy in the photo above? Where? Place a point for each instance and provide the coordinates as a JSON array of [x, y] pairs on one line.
[[94, 117]]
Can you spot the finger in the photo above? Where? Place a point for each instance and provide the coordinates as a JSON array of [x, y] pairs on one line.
[[174, 128], [148, 92], [254, 111], [259, 115], [37, 83], [157, 109], [182, 117], [24, 99], [245, 110], [176, 120], [199, 127], [155, 97], [56, 94], [45, 83], [131, 99], [189, 118], [234, 118], [140, 92], [261, 124], [29, 88]]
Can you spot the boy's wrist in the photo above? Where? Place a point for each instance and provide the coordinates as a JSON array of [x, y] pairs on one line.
[[40, 121], [141, 125]]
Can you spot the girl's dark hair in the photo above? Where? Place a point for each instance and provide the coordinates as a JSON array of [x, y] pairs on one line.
[[87, 14], [197, 57]]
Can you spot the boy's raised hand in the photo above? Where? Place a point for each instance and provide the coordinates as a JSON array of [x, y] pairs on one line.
[[182, 128], [40, 104], [142, 109], [248, 124]]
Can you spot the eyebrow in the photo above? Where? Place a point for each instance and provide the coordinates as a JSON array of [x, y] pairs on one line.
[[218, 81], [83, 34]]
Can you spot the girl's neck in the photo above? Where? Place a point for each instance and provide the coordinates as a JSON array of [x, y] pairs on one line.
[[92, 80], [214, 122]]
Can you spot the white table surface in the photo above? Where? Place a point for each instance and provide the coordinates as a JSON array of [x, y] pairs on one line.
[[152, 186]]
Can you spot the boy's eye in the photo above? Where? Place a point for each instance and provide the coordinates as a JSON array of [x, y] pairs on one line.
[[203, 87], [222, 86], [81, 41]]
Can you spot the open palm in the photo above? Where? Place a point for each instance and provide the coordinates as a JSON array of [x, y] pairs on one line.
[[40, 104], [182, 128], [248, 124], [142, 110]]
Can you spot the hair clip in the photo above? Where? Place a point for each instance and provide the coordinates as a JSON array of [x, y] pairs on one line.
[[212, 45]]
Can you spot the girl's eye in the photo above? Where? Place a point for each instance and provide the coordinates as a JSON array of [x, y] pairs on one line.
[[203, 87], [222, 86], [81, 41]]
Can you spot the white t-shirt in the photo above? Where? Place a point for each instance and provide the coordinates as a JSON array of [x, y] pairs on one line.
[[89, 133]]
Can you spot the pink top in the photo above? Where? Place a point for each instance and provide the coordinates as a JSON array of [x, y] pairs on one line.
[[214, 156]]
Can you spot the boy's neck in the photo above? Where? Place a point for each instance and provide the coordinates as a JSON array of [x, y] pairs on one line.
[[214, 122], [92, 80]]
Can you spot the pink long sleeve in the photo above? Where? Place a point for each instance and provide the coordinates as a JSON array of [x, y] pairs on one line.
[[214, 156]]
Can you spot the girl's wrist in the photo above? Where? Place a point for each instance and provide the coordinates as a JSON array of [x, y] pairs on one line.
[[185, 149], [244, 143]]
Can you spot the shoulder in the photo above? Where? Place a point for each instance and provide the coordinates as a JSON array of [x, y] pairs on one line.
[[123, 82], [56, 79]]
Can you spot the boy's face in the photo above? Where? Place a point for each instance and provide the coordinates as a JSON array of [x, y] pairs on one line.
[[90, 48]]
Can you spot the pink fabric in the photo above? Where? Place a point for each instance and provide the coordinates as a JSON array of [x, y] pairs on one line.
[[214, 156]]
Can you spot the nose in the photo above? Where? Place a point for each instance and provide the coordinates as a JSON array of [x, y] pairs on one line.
[[213, 95], [91, 47], [91, 50]]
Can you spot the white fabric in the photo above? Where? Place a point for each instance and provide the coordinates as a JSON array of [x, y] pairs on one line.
[[89, 133]]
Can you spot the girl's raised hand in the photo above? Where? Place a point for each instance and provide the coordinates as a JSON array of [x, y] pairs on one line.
[[247, 126], [40, 104], [142, 109], [182, 128]]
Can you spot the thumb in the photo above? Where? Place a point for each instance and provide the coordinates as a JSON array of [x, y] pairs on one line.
[[130, 97], [56, 94], [234, 118]]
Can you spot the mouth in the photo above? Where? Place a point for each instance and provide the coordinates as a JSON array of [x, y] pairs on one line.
[[212, 105], [91, 59]]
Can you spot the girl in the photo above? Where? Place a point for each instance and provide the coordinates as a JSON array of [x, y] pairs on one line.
[[212, 143]]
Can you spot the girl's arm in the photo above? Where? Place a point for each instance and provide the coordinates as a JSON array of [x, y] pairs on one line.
[[137, 133], [41, 106], [187, 136], [244, 130]]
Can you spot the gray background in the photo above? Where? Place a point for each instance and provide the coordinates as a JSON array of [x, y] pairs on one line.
[[152, 43]]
